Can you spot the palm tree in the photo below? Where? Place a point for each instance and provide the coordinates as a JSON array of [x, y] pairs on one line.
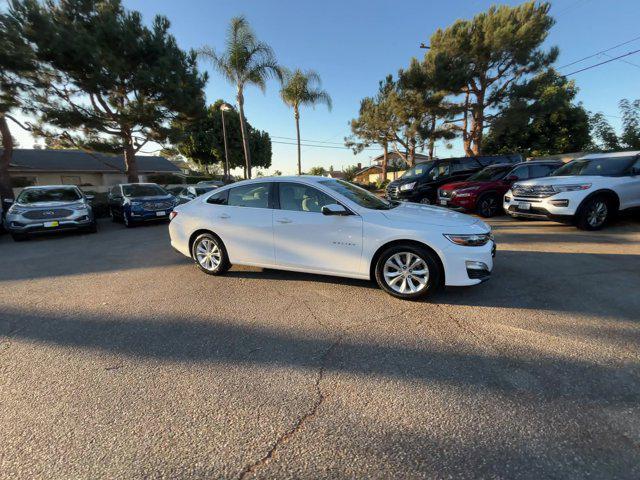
[[245, 61], [302, 88]]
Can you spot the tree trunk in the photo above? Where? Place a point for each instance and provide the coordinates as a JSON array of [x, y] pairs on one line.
[[478, 124], [245, 136], [432, 138], [6, 192], [411, 153], [296, 114], [131, 168], [466, 136], [385, 160]]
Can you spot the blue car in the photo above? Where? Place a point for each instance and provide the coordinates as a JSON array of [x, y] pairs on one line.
[[135, 203]]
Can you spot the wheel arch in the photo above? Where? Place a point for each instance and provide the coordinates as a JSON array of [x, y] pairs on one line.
[[393, 243], [198, 232], [610, 194]]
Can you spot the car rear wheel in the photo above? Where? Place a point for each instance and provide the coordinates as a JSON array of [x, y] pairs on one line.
[[408, 272], [425, 201], [594, 214], [488, 205], [210, 255]]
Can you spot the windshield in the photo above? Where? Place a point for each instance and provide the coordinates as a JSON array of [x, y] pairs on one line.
[[358, 195], [418, 170], [606, 167], [140, 190], [49, 195], [490, 174]]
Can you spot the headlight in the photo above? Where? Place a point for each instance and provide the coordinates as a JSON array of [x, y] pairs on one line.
[[472, 240], [15, 210], [408, 186], [571, 188]]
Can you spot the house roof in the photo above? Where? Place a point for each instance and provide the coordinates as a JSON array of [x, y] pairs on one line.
[[335, 174], [370, 167], [394, 156], [80, 161]]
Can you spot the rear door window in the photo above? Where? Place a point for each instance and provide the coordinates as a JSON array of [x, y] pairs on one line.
[[253, 196]]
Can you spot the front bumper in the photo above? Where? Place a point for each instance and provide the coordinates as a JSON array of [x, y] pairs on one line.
[[560, 207], [463, 204], [465, 266], [19, 224], [149, 215]]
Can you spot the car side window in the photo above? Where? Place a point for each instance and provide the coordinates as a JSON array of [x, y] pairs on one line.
[[441, 170], [521, 173], [253, 195], [457, 166], [115, 191], [219, 198], [302, 198], [469, 163]]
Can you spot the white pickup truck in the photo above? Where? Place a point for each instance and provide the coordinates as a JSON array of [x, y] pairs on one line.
[[587, 192]]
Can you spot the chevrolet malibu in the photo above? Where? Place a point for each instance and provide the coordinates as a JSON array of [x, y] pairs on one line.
[[331, 227]]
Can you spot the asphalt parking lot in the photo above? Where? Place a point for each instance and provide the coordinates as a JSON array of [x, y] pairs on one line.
[[119, 359]]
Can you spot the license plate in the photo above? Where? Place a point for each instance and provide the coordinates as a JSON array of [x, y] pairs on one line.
[[443, 202], [51, 224], [524, 205], [159, 214]]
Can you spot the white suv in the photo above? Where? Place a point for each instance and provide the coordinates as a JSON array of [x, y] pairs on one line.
[[587, 192]]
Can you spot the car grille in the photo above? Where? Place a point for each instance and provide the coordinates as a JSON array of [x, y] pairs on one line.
[[47, 214], [157, 205], [392, 191], [533, 191]]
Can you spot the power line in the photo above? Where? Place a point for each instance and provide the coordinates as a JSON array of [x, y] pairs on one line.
[[600, 52], [320, 146], [602, 63], [307, 140]]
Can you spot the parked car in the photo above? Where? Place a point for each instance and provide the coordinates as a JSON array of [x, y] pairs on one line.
[[587, 192], [47, 209], [189, 193], [420, 183], [483, 191], [328, 226], [134, 203], [175, 191], [210, 183]]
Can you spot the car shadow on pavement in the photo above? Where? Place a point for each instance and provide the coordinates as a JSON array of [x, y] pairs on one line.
[[272, 274], [216, 341]]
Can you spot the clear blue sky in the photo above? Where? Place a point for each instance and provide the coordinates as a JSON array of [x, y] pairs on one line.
[[353, 44]]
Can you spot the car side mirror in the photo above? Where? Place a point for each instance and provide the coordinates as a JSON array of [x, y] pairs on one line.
[[334, 209]]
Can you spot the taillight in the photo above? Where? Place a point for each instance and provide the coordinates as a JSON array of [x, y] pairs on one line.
[[172, 215]]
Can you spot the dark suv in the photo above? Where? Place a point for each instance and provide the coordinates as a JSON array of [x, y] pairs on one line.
[[134, 203], [420, 183]]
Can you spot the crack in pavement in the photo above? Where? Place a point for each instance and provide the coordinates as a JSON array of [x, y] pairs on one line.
[[299, 424]]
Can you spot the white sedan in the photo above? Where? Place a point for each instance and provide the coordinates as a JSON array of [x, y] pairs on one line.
[[330, 227]]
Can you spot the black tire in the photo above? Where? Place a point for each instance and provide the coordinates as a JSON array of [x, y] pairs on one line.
[[433, 280], [595, 213], [114, 217], [425, 201], [19, 237], [488, 205], [222, 261], [127, 221]]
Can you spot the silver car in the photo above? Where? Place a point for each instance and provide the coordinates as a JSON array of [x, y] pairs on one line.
[[50, 208]]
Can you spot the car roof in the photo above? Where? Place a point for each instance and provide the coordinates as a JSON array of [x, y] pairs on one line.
[[43, 187], [137, 183], [610, 155]]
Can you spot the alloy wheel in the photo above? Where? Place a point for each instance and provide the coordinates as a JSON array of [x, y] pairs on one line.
[[488, 207], [208, 254], [597, 214], [425, 201], [406, 272]]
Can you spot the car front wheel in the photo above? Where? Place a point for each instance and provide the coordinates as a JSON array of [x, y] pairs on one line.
[[594, 214], [210, 255], [408, 272], [488, 206]]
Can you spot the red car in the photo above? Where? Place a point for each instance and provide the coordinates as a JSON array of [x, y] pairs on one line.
[[483, 192]]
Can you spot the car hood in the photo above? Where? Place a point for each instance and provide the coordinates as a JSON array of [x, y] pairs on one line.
[[39, 205], [563, 180], [461, 185], [402, 181], [153, 198], [418, 213]]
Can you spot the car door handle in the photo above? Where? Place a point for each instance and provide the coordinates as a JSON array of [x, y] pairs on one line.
[[224, 215], [284, 220]]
